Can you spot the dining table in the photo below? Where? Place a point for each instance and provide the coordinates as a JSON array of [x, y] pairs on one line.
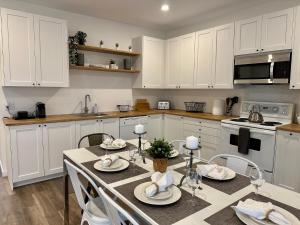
[[212, 202]]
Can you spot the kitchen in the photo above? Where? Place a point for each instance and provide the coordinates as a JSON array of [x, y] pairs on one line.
[[196, 63]]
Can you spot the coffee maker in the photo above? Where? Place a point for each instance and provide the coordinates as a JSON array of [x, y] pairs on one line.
[[40, 110]]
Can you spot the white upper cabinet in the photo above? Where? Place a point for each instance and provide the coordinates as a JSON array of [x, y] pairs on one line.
[[224, 58], [270, 32], [173, 63], [51, 52], [204, 59], [151, 62], [35, 50], [214, 58], [18, 48], [277, 30], [295, 71], [187, 60], [57, 137], [247, 36]]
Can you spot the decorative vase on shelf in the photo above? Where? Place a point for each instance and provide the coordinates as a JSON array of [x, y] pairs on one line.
[[160, 150]]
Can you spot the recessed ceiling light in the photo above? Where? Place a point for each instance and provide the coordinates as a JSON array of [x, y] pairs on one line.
[[165, 7]]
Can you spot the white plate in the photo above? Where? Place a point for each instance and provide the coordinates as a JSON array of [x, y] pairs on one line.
[[111, 147], [124, 164], [250, 221], [139, 193], [161, 195], [229, 174], [175, 154]]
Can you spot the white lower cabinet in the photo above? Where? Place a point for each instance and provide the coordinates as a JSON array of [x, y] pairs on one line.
[[26, 150], [155, 127], [173, 127], [111, 127], [57, 137], [287, 165]]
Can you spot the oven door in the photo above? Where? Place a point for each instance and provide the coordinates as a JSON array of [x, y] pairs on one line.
[[262, 142]]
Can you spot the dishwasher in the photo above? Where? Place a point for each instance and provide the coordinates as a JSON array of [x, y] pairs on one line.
[[127, 126]]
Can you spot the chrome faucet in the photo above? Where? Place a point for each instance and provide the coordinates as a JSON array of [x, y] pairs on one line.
[[86, 98]]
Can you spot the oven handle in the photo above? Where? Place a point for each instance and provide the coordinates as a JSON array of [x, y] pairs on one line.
[[252, 130]]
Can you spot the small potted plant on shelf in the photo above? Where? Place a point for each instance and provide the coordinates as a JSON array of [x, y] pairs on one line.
[[73, 50], [81, 37], [160, 150]]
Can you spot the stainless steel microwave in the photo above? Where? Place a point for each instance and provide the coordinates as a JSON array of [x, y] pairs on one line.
[[266, 68]]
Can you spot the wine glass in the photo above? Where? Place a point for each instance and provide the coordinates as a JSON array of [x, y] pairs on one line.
[[132, 156], [194, 181], [255, 179]]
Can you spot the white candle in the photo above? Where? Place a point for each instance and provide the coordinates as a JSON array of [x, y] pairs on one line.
[[139, 129], [192, 142]]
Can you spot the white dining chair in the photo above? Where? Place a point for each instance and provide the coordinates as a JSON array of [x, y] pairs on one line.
[[236, 163], [116, 214], [92, 210]]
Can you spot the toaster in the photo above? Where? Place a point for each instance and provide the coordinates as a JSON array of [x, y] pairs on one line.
[[163, 105]]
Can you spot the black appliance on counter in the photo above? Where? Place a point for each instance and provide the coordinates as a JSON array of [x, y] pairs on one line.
[[40, 111], [21, 115]]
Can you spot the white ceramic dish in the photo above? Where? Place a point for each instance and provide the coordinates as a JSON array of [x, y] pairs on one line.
[[251, 221], [112, 147], [119, 165], [175, 154], [139, 193], [229, 174]]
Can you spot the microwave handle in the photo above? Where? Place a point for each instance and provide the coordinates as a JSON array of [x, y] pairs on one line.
[[258, 131]]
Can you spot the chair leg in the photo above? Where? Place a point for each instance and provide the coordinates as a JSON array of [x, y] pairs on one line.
[[86, 199]]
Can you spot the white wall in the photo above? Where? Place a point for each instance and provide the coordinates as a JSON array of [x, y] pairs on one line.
[[106, 89]]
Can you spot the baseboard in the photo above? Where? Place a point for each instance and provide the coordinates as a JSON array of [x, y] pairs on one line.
[[36, 180]]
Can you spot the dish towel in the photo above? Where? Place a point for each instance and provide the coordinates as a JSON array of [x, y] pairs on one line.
[[261, 211], [118, 143], [107, 161], [244, 140], [211, 170], [160, 182]]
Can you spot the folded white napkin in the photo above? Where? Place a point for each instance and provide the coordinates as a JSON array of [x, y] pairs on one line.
[[118, 143], [107, 161], [108, 141], [261, 211], [211, 170], [160, 182]]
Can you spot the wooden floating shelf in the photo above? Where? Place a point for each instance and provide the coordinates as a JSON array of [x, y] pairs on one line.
[[95, 68], [106, 50]]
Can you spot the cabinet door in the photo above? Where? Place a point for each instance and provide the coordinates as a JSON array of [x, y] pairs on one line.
[[295, 71], [204, 58], [173, 127], [155, 127], [84, 128], [224, 58], [57, 137], [173, 63], [247, 36], [153, 69], [27, 152], [18, 48], [277, 30], [187, 60], [51, 46], [111, 126], [287, 161]]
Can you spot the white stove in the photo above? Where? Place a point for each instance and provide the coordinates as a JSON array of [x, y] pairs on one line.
[[275, 114], [261, 145]]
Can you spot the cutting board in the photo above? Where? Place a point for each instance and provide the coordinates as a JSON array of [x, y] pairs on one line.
[[142, 105]]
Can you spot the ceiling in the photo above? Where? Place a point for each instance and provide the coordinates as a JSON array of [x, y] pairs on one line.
[[146, 13]]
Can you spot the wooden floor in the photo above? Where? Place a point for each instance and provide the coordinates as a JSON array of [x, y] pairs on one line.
[[36, 204]]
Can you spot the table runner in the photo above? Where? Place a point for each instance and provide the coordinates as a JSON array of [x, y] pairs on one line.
[[227, 215], [164, 215], [228, 187], [111, 177]]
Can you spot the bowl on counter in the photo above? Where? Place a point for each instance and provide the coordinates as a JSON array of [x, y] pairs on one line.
[[123, 108]]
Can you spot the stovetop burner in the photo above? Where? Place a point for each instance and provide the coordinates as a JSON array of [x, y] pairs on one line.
[[240, 120], [270, 123]]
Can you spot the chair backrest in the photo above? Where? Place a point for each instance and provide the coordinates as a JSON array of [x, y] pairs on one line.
[[78, 186], [94, 139], [116, 214], [236, 163]]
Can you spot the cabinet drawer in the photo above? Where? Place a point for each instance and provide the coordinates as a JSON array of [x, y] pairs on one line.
[[210, 131], [209, 139], [192, 127]]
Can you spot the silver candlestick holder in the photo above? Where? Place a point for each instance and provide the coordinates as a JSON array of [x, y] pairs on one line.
[[190, 166], [140, 151]]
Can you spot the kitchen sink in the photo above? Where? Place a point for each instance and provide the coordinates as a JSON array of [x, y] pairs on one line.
[[92, 114]]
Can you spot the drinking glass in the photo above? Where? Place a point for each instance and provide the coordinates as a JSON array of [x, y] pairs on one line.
[[132, 156], [194, 181], [256, 180]]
